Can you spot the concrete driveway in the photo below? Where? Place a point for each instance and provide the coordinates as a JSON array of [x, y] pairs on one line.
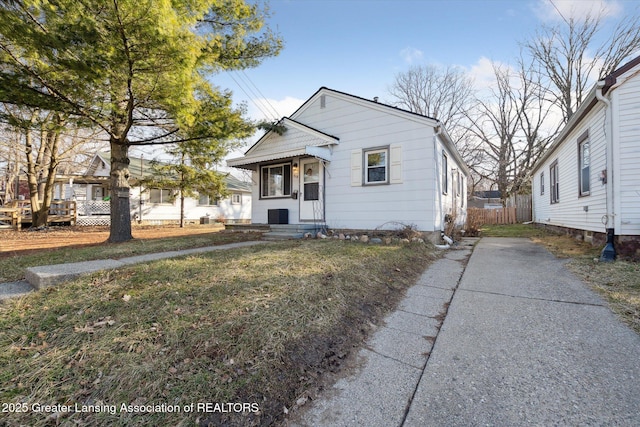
[[524, 342]]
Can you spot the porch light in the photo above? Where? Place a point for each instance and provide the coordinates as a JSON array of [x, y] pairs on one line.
[[295, 170]]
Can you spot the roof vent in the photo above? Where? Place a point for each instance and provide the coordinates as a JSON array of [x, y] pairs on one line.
[[375, 99]]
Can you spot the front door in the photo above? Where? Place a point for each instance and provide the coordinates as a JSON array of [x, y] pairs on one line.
[[311, 190]]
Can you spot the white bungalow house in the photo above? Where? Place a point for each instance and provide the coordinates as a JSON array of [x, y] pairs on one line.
[[149, 205], [587, 183], [345, 162]]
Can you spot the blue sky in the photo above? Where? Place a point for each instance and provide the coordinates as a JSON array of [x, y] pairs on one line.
[[358, 46]]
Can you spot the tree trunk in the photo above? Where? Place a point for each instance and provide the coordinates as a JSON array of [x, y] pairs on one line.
[[120, 230], [38, 215], [181, 209]]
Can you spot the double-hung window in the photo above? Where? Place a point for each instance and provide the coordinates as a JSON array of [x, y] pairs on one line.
[[584, 162], [445, 174], [207, 200], [376, 166], [554, 179], [276, 180], [541, 183], [161, 196]]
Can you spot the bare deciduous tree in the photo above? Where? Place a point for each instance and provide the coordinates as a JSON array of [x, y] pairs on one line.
[[514, 127], [569, 57], [39, 146], [444, 93]]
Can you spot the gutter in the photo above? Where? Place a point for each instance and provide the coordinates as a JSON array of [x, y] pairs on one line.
[[609, 252]]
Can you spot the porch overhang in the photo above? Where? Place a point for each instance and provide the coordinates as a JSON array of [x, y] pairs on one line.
[[251, 162]]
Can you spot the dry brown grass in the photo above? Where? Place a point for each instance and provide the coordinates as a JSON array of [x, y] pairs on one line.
[[618, 282], [12, 264], [255, 325]]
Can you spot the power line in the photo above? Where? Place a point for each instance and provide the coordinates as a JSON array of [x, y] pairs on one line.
[[254, 98], [559, 13], [266, 100]]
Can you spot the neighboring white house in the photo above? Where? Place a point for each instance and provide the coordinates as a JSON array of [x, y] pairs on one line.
[[588, 181], [351, 163], [157, 205]]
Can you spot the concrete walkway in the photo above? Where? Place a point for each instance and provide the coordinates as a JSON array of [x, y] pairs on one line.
[[524, 342], [51, 275]]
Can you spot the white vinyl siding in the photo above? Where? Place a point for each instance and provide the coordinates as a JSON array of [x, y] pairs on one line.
[[349, 203], [573, 211], [412, 192], [627, 179]]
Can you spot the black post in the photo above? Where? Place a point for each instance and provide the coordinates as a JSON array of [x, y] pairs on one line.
[[609, 252]]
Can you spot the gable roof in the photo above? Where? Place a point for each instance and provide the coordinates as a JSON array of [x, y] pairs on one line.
[[300, 139], [318, 149], [590, 101], [141, 167], [138, 166], [363, 101], [390, 109]]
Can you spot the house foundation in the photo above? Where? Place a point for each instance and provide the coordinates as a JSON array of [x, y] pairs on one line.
[[627, 246]]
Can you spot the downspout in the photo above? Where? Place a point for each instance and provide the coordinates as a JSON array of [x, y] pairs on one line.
[[609, 252], [437, 175], [438, 178]]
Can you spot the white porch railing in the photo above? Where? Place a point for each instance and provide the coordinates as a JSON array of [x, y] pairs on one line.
[[93, 207]]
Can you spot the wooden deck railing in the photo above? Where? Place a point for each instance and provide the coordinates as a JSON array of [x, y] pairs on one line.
[[10, 217], [20, 213]]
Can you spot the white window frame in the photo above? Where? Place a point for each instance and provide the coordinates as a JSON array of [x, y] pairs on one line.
[[366, 167], [584, 168], [166, 196], [280, 192], [445, 173], [208, 200], [236, 199], [554, 182], [542, 183]]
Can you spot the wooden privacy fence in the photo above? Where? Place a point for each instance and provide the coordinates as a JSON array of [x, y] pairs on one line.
[[477, 216], [522, 203]]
